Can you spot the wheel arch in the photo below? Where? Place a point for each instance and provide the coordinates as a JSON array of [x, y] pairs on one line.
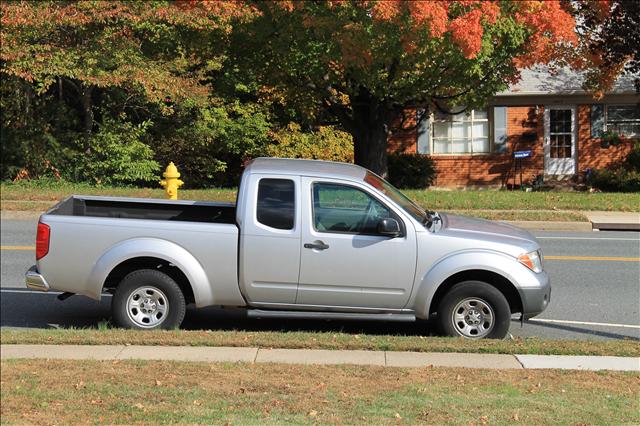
[[137, 263], [181, 265], [494, 279], [497, 269]]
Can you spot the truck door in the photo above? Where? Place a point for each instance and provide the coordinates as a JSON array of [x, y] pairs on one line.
[[344, 261], [270, 240]]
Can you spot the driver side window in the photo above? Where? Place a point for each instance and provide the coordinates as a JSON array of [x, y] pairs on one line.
[[345, 209]]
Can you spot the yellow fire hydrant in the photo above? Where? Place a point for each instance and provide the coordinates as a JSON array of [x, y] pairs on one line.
[[171, 183]]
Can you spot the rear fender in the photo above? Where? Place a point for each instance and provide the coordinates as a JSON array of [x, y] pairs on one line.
[[152, 247], [506, 266]]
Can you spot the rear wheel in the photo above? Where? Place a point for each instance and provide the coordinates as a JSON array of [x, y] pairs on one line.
[[475, 310], [148, 299]]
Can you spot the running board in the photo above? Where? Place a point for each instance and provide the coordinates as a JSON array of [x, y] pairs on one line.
[[353, 316]]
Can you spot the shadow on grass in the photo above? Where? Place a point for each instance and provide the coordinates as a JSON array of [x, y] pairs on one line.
[[44, 310]]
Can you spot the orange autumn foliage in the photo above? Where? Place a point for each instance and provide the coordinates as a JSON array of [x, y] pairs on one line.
[[551, 27]]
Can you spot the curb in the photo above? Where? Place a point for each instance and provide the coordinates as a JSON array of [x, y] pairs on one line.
[[319, 357], [533, 225]]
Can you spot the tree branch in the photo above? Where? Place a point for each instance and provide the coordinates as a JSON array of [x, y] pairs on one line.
[[341, 113]]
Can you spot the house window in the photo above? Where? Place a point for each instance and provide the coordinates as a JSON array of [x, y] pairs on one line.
[[465, 133], [623, 120]]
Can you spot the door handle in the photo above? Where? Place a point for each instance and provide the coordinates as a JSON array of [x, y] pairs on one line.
[[316, 245]]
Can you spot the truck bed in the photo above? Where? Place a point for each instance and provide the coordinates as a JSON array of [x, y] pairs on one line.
[[148, 209]]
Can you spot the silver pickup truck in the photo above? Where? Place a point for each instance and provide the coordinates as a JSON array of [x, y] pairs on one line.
[[306, 239]]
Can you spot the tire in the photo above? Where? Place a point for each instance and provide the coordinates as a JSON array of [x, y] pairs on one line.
[[148, 299], [474, 310]]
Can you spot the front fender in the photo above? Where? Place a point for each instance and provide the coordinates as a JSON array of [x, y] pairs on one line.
[[502, 264], [151, 247]]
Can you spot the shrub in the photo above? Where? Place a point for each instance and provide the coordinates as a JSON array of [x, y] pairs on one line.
[[327, 143], [615, 180], [117, 155], [633, 159], [624, 177], [411, 171], [209, 145]]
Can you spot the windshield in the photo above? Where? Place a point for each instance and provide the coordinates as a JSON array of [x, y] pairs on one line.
[[409, 206]]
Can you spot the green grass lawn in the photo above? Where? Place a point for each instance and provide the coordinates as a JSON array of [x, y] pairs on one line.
[[154, 392], [25, 196], [317, 340]]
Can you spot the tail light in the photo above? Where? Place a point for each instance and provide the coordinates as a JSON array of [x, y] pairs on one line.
[[42, 240]]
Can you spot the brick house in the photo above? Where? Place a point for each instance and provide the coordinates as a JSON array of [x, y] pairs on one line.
[[548, 114]]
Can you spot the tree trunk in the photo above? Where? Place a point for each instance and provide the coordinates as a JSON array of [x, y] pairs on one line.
[[87, 111], [370, 132], [370, 147]]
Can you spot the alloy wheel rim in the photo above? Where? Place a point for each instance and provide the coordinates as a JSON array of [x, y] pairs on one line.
[[473, 318], [147, 307]]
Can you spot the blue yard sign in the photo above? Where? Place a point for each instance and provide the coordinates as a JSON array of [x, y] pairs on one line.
[[522, 154]]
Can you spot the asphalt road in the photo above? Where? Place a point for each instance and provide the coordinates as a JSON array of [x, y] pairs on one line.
[[591, 299]]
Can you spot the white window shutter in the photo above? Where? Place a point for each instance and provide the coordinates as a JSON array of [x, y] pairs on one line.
[[500, 129]]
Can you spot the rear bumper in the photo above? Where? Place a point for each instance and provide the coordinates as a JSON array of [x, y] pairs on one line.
[[35, 281], [536, 299]]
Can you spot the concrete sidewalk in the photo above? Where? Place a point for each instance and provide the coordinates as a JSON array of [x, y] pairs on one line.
[[319, 357], [614, 221]]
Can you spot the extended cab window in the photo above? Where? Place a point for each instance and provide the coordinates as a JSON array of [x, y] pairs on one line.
[[276, 203], [342, 208]]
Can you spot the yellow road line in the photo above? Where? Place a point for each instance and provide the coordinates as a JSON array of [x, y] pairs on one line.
[[594, 258], [17, 248]]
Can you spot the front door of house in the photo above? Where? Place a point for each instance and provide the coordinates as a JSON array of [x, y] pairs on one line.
[[560, 140]]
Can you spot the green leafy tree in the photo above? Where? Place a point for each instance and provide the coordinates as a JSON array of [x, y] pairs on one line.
[[152, 48], [367, 62], [210, 144]]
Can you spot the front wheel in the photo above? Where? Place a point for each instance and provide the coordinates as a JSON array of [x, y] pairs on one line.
[[475, 310], [147, 299]]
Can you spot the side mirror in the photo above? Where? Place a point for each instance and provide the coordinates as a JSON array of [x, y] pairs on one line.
[[389, 227]]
